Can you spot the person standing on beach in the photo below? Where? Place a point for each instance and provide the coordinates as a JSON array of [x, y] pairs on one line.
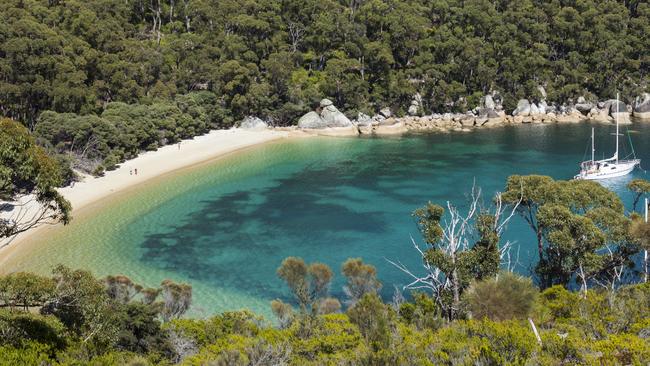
[[130, 171], [136, 171], [179, 146]]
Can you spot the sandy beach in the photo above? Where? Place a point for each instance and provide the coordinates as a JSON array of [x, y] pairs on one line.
[[152, 164]]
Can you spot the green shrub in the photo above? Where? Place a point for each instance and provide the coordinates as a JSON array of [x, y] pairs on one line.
[[328, 336], [17, 328], [32, 353], [621, 349], [507, 296]]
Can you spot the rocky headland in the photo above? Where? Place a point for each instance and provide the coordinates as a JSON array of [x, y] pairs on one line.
[[327, 120]]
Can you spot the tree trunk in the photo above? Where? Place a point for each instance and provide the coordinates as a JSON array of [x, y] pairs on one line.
[[187, 16], [456, 290], [645, 266]]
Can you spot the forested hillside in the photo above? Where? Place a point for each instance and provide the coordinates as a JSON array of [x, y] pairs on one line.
[[271, 58], [119, 77]]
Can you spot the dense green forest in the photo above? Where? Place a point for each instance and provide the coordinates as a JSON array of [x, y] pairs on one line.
[[149, 72]]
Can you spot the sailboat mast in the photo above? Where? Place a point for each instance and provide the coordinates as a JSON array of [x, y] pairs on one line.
[[593, 148], [617, 113]]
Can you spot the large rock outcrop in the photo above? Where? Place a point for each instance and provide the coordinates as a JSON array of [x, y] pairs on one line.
[[599, 115], [253, 123], [488, 102], [583, 106], [534, 110], [363, 119], [618, 111], [416, 105], [328, 117], [642, 107], [311, 120], [332, 116], [523, 108]]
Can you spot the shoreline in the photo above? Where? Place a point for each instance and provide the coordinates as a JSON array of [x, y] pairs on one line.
[[202, 149], [150, 165]]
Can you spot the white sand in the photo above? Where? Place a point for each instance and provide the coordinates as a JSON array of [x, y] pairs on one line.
[[152, 164], [164, 160]]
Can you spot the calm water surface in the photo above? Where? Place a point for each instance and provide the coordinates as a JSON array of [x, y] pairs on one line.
[[226, 226]]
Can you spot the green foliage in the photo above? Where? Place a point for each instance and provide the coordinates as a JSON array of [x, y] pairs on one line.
[[176, 299], [139, 329], [123, 130], [23, 289], [483, 342], [428, 220], [622, 349], [330, 337], [81, 304], [239, 351], [596, 314], [26, 169], [361, 279], [32, 353], [373, 319], [448, 253], [423, 312], [205, 332], [309, 284], [599, 327], [18, 328], [571, 239], [639, 187], [581, 229], [640, 231], [507, 296]]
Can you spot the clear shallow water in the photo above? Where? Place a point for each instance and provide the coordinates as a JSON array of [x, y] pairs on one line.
[[225, 227]]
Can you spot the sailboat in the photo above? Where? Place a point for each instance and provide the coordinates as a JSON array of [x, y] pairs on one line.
[[606, 168]]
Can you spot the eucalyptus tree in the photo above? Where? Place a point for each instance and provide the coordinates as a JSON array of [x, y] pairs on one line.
[[28, 181], [309, 284], [82, 304], [639, 187], [23, 289], [571, 242], [581, 230], [640, 232], [458, 248], [531, 192], [176, 299], [361, 279]]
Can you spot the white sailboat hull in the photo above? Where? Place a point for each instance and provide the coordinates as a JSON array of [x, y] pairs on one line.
[[609, 170]]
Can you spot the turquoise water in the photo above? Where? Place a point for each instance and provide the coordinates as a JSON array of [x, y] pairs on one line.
[[225, 227]]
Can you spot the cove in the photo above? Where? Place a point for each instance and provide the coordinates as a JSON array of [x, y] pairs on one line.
[[226, 226]]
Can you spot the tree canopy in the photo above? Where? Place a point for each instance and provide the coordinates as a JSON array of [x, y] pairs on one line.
[[270, 58], [26, 171]]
